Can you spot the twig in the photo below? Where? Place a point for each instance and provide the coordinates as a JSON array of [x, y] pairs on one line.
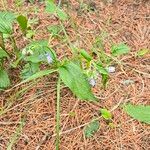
[[42, 141], [59, 3]]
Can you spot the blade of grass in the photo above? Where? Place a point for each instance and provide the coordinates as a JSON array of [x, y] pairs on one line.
[[15, 97], [58, 115], [16, 135], [33, 77]]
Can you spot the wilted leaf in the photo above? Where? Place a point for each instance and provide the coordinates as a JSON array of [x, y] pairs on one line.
[[54, 29], [72, 75], [106, 114], [127, 82], [4, 79], [120, 49], [139, 112], [91, 129]]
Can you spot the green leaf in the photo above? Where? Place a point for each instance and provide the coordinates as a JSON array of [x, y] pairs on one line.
[[72, 75], [91, 129], [139, 112], [30, 34], [143, 52], [4, 79], [101, 69], [104, 80], [85, 55], [29, 70], [3, 53], [38, 75], [61, 14], [50, 6], [39, 51], [22, 20], [6, 20], [106, 114], [120, 49]]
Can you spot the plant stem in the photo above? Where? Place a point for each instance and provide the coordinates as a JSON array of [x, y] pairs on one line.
[[15, 48], [58, 115], [68, 40]]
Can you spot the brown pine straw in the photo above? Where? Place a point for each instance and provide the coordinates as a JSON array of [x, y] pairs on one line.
[[121, 21]]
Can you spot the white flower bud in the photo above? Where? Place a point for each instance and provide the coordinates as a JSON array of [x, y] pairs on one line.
[[111, 69], [92, 82]]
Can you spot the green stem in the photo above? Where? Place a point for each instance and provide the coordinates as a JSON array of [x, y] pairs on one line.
[[15, 48], [68, 40], [58, 115]]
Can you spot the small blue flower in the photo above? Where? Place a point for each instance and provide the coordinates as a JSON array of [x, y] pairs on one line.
[[49, 58], [46, 57]]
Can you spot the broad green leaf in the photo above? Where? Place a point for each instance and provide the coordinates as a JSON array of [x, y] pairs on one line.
[[143, 52], [4, 79], [120, 49], [91, 129], [106, 114], [101, 69], [29, 70], [38, 75], [22, 20], [72, 76], [38, 51], [3, 53], [50, 6], [85, 55], [139, 112], [6, 20], [61, 14]]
